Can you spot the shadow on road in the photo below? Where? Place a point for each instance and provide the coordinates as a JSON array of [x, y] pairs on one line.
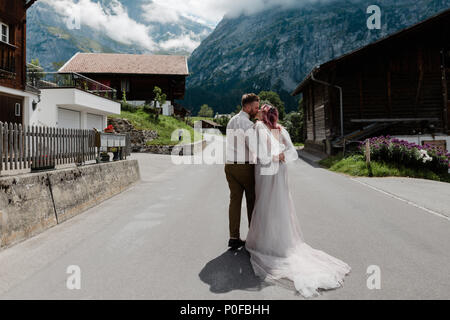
[[231, 271]]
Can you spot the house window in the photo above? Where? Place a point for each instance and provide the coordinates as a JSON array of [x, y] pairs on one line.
[[18, 109], [4, 36], [125, 85]]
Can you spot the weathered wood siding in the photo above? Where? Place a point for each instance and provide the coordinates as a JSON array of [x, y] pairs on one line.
[[397, 78], [141, 86], [316, 116], [12, 13]]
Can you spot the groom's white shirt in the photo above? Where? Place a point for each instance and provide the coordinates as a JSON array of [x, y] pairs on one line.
[[241, 143]]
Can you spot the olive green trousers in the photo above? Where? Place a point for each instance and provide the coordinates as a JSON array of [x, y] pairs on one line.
[[241, 178]]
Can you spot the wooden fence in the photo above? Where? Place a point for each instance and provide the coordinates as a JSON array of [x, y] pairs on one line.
[[36, 147]]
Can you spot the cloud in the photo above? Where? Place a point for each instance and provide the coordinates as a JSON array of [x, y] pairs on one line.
[[112, 20], [211, 11], [250, 7], [186, 42], [171, 11]]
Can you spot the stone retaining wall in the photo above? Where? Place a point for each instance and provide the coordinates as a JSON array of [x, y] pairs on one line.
[[31, 203], [162, 149]]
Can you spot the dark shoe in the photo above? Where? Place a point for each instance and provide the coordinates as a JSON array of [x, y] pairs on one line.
[[236, 243]]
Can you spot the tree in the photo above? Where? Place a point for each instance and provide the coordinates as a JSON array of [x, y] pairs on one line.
[[274, 99], [223, 121], [58, 65], [160, 97], [35, 71], [293, 123], [206, 111], [35, 63]]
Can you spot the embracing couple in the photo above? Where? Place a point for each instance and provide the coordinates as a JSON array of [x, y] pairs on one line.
[[257, 158]]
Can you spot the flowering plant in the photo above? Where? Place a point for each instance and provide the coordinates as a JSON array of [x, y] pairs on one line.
[[409, 154], [109, 128]]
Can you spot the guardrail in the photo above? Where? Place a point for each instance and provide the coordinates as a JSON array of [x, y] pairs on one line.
[[52, 80], [40, 148]]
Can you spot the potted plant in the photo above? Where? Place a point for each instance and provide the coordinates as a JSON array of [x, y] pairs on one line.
[[109, 129]]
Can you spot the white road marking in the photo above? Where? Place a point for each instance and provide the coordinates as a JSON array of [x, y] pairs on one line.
[[403, 200]]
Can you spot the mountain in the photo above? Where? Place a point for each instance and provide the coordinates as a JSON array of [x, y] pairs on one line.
[[50, 39], [275, 49]]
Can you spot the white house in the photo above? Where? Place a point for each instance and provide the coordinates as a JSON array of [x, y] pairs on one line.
[[69, 100]]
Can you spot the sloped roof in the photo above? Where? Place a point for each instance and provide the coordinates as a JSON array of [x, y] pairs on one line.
[[126, 63], [210, 122]]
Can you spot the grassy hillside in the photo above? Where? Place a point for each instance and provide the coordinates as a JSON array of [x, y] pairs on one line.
[[164, 126]]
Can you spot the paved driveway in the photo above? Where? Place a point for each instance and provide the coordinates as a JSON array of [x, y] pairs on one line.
[[165, 238]]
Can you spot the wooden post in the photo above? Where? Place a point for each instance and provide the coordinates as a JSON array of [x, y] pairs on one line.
[[69, 137], [65, 145], [57, 146], [40, 147], [5, 144], [20, 146], [33, 148], [29, 146], [16, 146], [367, 152], [368, 160], [11, 146]]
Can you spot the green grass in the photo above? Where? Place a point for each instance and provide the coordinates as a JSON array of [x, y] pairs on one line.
[[201, 118], [355, 165], [298, 144], [164, 126]]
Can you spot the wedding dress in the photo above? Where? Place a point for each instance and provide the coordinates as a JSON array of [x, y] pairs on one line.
[[278, 253]]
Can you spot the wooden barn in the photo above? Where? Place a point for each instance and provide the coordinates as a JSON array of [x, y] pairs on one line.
[[134, 74], [397, 85]]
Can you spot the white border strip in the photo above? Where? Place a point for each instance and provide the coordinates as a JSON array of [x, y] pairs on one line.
[[403, 200]]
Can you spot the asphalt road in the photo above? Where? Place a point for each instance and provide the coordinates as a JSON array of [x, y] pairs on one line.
[[165, 238]]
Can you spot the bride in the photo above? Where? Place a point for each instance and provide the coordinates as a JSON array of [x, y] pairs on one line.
[[278, 253]]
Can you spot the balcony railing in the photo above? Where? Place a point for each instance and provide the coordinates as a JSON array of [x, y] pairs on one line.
[[51, 80], [7, 60]]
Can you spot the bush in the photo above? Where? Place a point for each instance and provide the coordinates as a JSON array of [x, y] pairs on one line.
[[293, 123], [206, 111], [223, 121], [153, 112], [391, 150], [125, 106], [274, 99]]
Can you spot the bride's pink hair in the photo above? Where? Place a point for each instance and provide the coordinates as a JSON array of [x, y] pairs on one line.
[[269, 116]]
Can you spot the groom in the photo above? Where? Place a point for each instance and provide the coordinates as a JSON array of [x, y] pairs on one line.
[[240, 166]]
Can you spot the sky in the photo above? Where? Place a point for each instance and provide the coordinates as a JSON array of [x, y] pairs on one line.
[[115, 21]]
